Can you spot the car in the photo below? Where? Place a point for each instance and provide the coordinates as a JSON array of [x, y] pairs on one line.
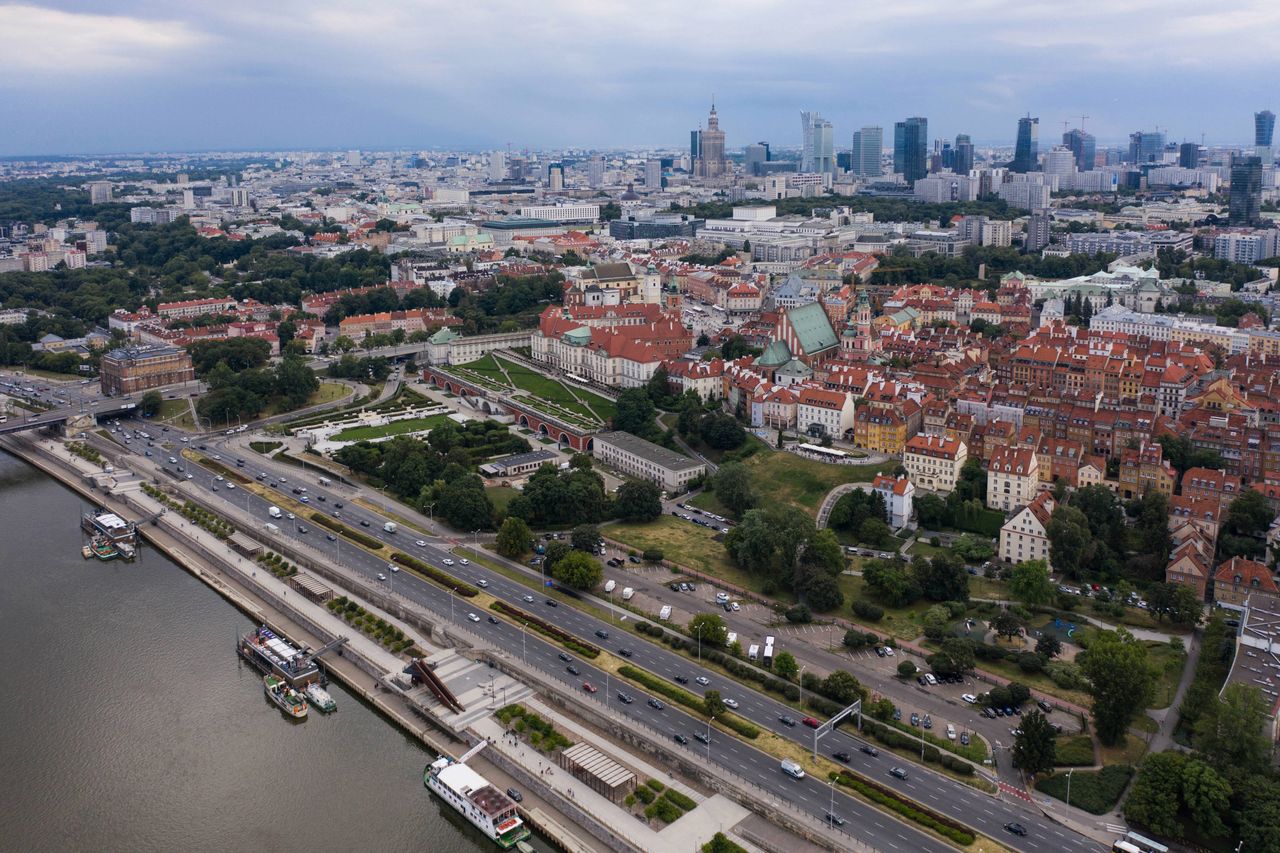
[[302, 529], [964, 738], [572, 670], [382, 577], [703, 680], [970, 698], [988, 713], [219, 478], [602, 634], [625, 698], [674, 587], [339, 504], [1009, 712], [493, 620], [590, 688], [702, 737], [447, 561], [655, 704], [898, 772], [811, 722], [473, 617], [999, 712], [1015, 828], [633, 558], [421, 543], [736, 607], [915, 719], [566, 657], [320, 498], [190, 476], [551, 602], [834, 820], [482, 582], [528, 599], [1044, 706], [869, 750], [331, 537], [730, 703], [626, 653], [148, 452], [364, 522], [928, 721], [843, 757], [681, 739], [465, 562], [951, 732], [897, 713], [515, 795], [879, 651], [726, 606]]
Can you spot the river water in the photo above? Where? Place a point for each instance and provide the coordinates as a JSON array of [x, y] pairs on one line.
[[127, 722]]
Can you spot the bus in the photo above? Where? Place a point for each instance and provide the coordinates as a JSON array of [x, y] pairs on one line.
[[1135, 843]]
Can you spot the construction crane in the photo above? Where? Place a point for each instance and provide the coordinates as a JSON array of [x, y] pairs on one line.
[[1082, 118]]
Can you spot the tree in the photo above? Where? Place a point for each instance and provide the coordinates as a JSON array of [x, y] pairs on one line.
[[1121, 681], [1206, 796], [712, 704], [1258, 815], [1030, 583], [842, 687], [635, 413], [1048, 646], [818, 588], [955, 658], [906, 669], [513, 538], [732, 485], [150, 404], [295, 381], [556, 551], [638, 502], [579, 570], [1249, 515], [710, 629], [721, 431], [932, 511], [973, 549], [464, 504], [658, 387], [874, 532], [1035, 747], [889, 582], [585, 537], [1156, 794], [941, 578], [1070, 540], [1233, 731], [1005, 624], [784, 664], [769, 541]]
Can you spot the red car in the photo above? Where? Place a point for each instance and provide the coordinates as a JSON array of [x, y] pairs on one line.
[[588, 687], [811, 722]]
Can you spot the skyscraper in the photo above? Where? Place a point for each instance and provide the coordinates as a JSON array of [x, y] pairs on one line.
[[555, 178], [864, 159], [595, 171], [710, 162], [1246, 191], [910, 148], [1264, 126], [1027, 150], [1188, 155], [1061, 162], [1084, 146], [695, 145], [1146, 146], [818, 139], [962, 161], [497, 166], [653, 174], [754, 156]]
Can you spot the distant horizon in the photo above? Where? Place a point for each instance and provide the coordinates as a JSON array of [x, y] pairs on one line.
[[134, 76]]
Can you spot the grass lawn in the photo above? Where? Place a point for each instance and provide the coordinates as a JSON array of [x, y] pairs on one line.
[[905, 623], [326, 393], [924, 549], [554, 391], [1075, 751], [1128, 751], [1035, 680], [709, 502], [1169, 663], [501, 496], [170, 409], [778, 476], [1097, 792], [363, 433]]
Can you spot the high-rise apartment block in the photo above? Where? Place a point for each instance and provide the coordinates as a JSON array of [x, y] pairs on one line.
[[653, 174], [595, 171], [99, 192]]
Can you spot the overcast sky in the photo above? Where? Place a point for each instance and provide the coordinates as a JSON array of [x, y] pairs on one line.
[[148, 75]]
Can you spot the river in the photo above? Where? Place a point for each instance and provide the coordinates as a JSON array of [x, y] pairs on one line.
[[127, 722]]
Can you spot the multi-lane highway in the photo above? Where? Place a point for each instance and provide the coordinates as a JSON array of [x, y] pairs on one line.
[[810, 795]]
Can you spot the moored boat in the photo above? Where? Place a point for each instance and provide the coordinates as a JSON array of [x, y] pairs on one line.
[[475, 798], [319, 698], [285, 697]]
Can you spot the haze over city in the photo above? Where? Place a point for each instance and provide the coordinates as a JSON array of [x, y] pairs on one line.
[[147, 76]]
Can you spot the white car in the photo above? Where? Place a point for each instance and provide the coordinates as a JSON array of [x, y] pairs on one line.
[[231, 485], [951, 732], [473, 617], [219, 478], [736, 607], [382, 577], [970, 698], [703, 680], [393, 567], [448, 562], [888, 651], [291, 515], [421, 543], [482, 582], [190, 476], [731, 703], [464, 561], [528, 599]]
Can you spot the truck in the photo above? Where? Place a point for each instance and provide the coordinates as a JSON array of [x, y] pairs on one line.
[[767, 660], [273, 529], [792, 769], [274, 511], [754, 652], [665, 612], [390, 527], [325, 481], [627, 592], [610, 586]]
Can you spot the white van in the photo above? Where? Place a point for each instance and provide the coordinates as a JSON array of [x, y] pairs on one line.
[[753, 652], [273, 511], [390, 527], [610, 586], [627, 592], [795, 771], [665, 612]]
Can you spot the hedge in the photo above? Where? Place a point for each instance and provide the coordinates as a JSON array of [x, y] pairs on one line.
[[441, 577], [867, 610], [680, 800], [548, 630], [229, 473], [645, 795], [656, 785], [684, 697], [351, 533], [909, 809], [664, 810]]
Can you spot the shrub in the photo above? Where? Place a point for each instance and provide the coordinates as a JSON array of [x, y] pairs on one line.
[[799, 614], [656, 785], [867, 610], [664, 810], [680, 800], [1097, 792], [645, 795], [569, 641], [906, 669], [653, 555]]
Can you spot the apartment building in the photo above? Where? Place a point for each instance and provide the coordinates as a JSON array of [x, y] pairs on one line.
[[1013, 477], [933, 462], [1025, 536], [636, 457]]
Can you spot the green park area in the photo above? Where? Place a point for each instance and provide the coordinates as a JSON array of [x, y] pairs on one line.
[[365, 433], [492, 370]]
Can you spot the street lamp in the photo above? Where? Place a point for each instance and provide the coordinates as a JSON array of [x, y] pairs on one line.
[[800, 684], [699, 632], [1069, 772], [710, 720]]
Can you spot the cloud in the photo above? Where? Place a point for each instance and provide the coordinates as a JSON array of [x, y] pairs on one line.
[[43, 43]]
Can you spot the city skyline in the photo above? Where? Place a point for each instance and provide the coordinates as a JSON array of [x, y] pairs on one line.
[[419, 75]]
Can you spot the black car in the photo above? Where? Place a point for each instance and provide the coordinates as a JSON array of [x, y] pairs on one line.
[[551, 602], [656, 705], [626, 653], [633, 558], [515, 795], [787, 720], [675, 587], [624, 698], [682, 679], [565, 657], [339, 504], [364, 522], [572, 670], [1044, 706], [331, 537], [834, 820], [493, 620], [602, 634], [871, 750], [843, 757], [702, 737], [988, 713], [681, 739], [1016, 828]]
